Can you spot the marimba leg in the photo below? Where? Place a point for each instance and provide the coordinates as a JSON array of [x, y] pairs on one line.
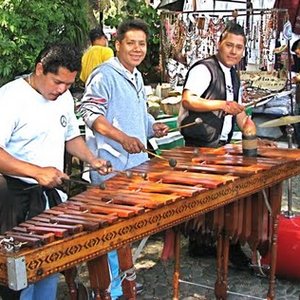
[[70, 275], [222, 263], [225, 254], [176, 265], [247, 220], [231, 224], [99, 277], [126, 265]]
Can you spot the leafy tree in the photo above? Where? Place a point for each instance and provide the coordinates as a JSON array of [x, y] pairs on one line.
[[142, 10], [26, 26]]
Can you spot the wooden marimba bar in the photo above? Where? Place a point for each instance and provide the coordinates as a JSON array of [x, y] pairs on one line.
[[208, 187]]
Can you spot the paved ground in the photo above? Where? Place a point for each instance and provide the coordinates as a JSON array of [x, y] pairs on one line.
[[156, 276]]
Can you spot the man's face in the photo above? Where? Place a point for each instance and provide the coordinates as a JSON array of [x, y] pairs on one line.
[[51, 85], [231, 49], [297, 51], [132, 49]]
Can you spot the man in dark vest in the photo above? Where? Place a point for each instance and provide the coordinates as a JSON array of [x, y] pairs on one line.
[[211, 93]]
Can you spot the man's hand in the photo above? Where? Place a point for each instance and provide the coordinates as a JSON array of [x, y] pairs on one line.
[[160, 129], [132, 144], [232, 108], [102, 166], [50, 177], [296, 79], [249, 127]]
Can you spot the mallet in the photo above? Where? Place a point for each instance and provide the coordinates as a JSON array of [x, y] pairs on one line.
[[101, 185], [127, 173], [197, 121], [172, 161]]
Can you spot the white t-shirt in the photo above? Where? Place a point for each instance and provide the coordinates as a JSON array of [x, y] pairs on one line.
[[33, 128], [199, 80]]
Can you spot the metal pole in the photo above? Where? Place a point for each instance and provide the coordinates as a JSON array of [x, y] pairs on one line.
[[289, 213]]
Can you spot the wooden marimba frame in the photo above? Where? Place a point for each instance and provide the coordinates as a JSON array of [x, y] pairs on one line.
[[216, 183]]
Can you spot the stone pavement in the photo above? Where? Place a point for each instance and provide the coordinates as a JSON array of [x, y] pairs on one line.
[[156, 276]]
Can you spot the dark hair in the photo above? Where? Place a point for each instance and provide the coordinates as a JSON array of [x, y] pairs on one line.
[[59, 55], [96, 33], [296, 45], [233, 28], [128, 25]]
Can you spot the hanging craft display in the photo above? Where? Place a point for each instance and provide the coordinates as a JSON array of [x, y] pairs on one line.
[[191, 36]]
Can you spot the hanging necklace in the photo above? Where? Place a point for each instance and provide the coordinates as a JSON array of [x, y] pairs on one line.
[[29, 80], [32, 82]]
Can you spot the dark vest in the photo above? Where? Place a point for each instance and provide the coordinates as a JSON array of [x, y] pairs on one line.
[[207, 133]]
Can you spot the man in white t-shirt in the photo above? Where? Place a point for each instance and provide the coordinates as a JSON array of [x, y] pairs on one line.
[[38, 124], [211, 93]]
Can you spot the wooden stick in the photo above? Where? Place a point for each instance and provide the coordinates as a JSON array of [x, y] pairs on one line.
[[101, 186], [256, 101], [172, 161], [31, 187], [197, 121], [76, 181], [90, 169], [128, 173], [154, 154], [82, 172]]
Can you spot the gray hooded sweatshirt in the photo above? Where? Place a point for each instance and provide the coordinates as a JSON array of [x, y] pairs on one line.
[[121, 99]]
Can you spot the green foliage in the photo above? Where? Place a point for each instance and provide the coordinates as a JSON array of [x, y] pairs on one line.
[[26, 26], [140, 9]]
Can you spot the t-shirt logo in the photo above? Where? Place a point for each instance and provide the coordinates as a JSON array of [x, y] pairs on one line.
[[63, 121]]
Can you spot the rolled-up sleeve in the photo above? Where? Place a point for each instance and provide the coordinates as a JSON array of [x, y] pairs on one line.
[[94, 101]]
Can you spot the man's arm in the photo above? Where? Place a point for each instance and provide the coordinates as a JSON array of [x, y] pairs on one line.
[[78, 148], [192, 102], [129, 143], [241, 120], [248, 127], [195, 87], [45, 176]]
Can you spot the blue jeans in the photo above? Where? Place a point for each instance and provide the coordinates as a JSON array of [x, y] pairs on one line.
[[44, 289], [116, 288]]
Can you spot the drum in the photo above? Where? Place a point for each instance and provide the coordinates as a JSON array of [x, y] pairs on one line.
[[288, 248]]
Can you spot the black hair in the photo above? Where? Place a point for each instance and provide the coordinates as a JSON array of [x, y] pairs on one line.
[[58, 55], [296, 45], [135, 24], [233, 28], [96, 33]]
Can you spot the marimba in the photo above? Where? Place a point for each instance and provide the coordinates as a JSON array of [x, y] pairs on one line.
[[215, 183]]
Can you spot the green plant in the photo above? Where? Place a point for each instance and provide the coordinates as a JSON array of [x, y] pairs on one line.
[[26, 26], [140, 9]]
